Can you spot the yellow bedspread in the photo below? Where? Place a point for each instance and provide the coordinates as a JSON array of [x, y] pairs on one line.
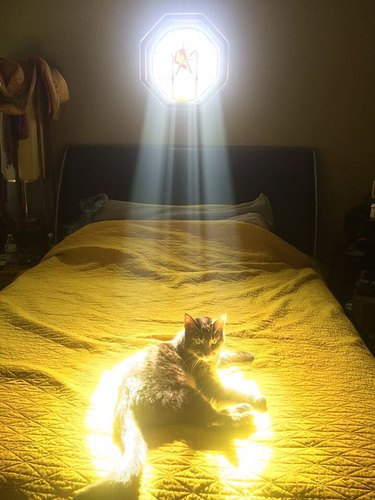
[[113, 288]]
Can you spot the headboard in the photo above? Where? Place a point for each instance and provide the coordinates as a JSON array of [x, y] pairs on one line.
[[191, 175]]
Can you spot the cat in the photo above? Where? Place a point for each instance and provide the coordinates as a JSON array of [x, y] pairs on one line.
[[170, 383]]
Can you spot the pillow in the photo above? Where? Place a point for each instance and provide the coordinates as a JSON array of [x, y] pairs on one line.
[[258, 212], [88, 208], [255, 218]]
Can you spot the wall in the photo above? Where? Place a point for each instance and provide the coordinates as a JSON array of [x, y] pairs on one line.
[[302, 73]]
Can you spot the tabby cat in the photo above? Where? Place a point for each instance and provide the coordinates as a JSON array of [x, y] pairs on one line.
[[172, 383]]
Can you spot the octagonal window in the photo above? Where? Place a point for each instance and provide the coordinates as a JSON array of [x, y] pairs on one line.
[[184, 59]]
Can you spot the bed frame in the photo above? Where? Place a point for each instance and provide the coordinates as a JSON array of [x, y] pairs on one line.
[[184, 175]]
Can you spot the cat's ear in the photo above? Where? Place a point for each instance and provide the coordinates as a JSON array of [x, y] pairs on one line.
[[189, 322], [219, 323]]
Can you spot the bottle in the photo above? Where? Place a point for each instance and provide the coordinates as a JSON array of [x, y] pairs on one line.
[[372, 211], [10, 248]]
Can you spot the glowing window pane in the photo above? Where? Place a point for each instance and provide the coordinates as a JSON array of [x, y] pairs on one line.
[[184, 59]]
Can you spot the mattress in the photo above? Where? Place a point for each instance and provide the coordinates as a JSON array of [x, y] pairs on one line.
[[114, 287]]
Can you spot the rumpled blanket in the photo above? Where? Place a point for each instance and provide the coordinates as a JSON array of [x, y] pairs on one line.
[[114, 287]]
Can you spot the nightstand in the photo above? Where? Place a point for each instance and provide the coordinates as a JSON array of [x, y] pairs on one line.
[[31, 246], [346, 268], [363, 317], [10, 271], [352, 277], [356, 263]]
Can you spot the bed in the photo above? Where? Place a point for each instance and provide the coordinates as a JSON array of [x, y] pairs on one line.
[[122, 280]]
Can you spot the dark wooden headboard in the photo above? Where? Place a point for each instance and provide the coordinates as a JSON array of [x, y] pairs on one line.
[[187, 175]]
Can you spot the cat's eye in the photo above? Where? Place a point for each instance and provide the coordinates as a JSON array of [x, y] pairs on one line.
[[214, 341], [198, 341]]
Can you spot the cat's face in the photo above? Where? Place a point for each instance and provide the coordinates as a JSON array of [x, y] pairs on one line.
[[204, 337]]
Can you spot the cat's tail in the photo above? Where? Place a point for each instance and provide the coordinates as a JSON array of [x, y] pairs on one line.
[[129, 437], [123, 481]]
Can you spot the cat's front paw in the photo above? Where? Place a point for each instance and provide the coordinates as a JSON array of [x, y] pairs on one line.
[[241, 420], [238, 409], [244, 356], [259, 404], [239, 415], [234, 417]]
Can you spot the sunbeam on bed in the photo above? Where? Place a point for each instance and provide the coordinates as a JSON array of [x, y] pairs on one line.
[[242, 459], [254, 452]]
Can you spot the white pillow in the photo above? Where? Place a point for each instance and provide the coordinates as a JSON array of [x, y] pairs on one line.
[[258, 212]]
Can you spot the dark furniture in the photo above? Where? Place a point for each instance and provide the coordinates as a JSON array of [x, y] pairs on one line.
[[353, 273], [10, 272]]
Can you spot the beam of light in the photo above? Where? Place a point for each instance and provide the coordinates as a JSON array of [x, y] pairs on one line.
[[253, 452], [198, 168], [152, 181]]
